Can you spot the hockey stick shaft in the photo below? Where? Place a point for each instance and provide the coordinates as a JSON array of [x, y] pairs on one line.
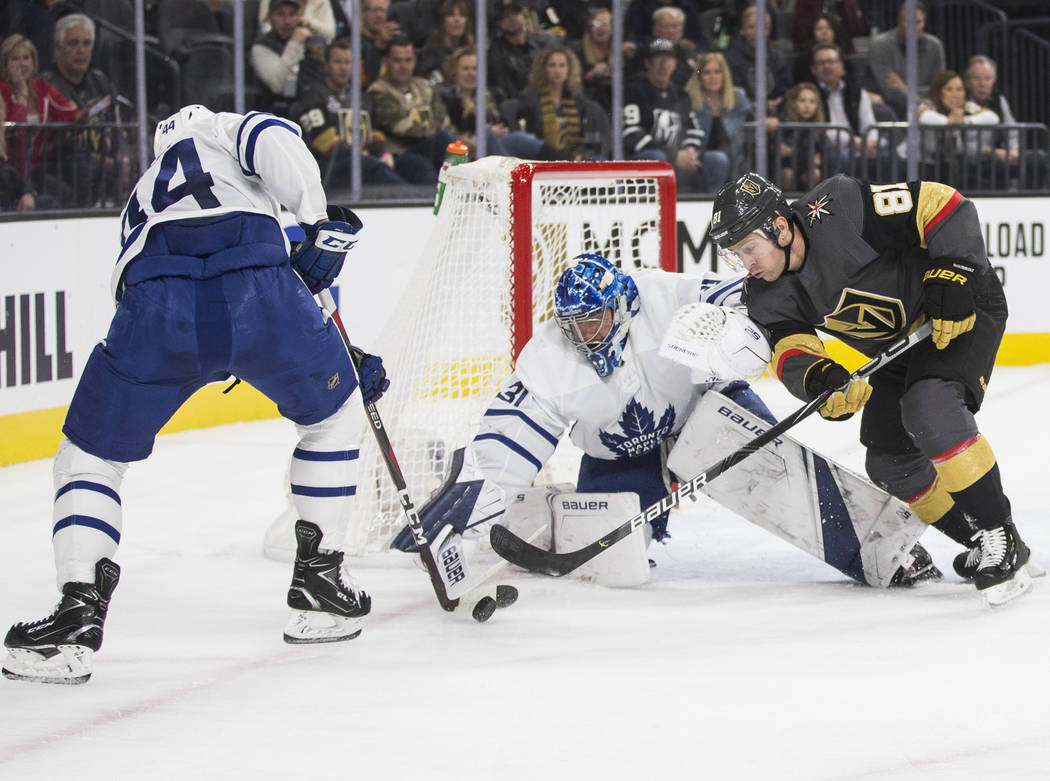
[[396, 475], [518, 551]]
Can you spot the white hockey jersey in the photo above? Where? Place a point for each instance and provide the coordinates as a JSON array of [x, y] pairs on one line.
[[645, 400], [252, 163]]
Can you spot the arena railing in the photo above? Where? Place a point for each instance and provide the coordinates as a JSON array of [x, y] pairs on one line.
[[74, 166], [973, 158]]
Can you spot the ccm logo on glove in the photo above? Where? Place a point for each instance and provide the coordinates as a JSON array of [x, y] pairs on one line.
[[336, 242]]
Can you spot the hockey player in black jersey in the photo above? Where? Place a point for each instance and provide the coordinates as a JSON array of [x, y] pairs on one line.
[[867, 263]]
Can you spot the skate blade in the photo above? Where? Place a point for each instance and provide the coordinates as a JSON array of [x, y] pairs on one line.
[[1008, 590], [1034, 570], [71, 666], [309, 626]]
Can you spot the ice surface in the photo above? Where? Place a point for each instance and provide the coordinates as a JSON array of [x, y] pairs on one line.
[[743, 659]]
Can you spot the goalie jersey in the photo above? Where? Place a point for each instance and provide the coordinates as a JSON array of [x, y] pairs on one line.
[[645, 401], [234, 164]]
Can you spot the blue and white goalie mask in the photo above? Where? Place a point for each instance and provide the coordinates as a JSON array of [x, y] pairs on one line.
[[593, 306]]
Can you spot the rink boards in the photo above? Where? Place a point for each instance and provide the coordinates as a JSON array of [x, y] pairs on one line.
[[55, 306]]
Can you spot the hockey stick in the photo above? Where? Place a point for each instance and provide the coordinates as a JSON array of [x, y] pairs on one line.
[[383, 441], [518, 551]]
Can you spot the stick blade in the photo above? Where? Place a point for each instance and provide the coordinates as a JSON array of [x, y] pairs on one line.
[[525, 555]]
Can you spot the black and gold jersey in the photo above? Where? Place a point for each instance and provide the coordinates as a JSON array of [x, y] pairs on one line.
[[867, 248]]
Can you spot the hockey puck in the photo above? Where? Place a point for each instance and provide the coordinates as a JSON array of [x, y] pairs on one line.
[[484, 609], [506, 596]]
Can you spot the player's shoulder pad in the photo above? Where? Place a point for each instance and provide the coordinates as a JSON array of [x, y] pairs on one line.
[[935, 204], [247, 130], [834, 202]]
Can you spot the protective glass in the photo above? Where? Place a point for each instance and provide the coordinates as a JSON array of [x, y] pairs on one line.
[[731, 257]]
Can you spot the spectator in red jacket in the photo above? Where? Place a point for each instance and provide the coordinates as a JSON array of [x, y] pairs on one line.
[[30, 99]]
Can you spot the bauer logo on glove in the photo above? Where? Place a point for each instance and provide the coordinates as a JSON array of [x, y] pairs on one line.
[[948, 300]]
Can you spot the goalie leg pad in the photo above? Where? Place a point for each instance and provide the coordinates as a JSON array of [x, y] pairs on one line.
[[798, 495], [529, 513], [465, 501], [579, 519]]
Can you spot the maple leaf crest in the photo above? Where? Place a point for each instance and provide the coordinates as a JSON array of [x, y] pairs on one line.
[[641, 432]]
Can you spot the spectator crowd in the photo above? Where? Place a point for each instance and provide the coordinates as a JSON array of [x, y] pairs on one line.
[[689, 90]]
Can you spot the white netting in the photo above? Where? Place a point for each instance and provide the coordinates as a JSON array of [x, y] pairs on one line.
[[448, 345]]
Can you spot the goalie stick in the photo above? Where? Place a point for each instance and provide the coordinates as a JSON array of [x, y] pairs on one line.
[[518, 551], [383, 442]]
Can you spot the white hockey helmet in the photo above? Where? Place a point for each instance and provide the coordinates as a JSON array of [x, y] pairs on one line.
[[177, 126]]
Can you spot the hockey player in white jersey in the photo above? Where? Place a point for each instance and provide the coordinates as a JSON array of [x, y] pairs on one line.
[[205, 289], [595, 370]]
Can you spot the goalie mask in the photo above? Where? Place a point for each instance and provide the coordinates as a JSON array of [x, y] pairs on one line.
[[593, 306], [177, 127], [746, 206]]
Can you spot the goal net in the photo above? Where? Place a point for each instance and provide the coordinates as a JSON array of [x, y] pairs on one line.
[[505, 232]]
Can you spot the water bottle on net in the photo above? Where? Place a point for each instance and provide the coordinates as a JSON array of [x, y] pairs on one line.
[[455, 153]]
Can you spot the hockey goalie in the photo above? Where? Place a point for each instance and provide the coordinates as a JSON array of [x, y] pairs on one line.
[[629, 365]]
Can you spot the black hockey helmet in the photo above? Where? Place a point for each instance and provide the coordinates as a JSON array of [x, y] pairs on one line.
[[749, 204]]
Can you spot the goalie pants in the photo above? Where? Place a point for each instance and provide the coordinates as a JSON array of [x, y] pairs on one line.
[[919, 427], [645, 474]]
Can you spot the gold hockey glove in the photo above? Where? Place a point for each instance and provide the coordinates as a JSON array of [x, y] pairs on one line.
[[949, 300], [849, 396]]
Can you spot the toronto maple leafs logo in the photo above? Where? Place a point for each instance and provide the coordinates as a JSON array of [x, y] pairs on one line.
[[818, 208], [641, 432]]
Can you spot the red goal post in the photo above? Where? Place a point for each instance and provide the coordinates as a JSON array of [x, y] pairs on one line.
[[527, 176]]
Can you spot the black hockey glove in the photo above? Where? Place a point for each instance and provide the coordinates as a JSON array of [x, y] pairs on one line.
[[949, 300], [319, 257], [371, 376], [825, 375]]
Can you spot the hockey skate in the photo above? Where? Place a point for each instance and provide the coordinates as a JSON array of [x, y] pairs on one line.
[[921, 570], [328, 606], [965, 564], [1001, 573], [59, 648]]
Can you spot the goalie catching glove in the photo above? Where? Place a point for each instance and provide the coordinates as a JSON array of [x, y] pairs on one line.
[[849, 395], [949, 300], [319, 257], [717, 343]]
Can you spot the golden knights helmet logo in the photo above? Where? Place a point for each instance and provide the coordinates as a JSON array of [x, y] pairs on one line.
[[749, 186], [863, 315]]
